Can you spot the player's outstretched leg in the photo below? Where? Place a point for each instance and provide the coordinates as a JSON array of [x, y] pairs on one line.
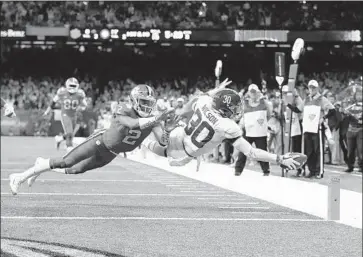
[[91, 147], [91, 163]]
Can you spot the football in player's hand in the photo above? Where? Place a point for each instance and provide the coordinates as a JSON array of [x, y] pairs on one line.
[[299, 157]]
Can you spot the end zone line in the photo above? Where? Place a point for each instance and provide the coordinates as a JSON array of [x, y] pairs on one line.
[[158, 218], [115, 194]]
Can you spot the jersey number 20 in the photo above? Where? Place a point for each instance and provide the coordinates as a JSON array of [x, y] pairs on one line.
[[196, 126]]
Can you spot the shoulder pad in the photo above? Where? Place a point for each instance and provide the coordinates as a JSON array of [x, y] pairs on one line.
[[123, 109], [81, 93], [62, 91]]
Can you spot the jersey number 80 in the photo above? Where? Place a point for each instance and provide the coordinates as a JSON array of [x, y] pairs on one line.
[[70, 104], [196, 126]]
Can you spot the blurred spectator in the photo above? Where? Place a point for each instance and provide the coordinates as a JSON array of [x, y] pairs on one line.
[[184, 15]]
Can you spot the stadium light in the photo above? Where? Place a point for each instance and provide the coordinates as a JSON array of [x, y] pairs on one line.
[[105, 34]]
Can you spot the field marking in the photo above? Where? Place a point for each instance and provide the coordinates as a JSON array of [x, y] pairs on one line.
[[181, 180], [346, 173], [199, 191], [243, 207], [233, 203], [91, 180], [217, 198], [19, 251], [179, 183], [20, 246], [260, 212], [111, 194], [156, 218], [182, 185]]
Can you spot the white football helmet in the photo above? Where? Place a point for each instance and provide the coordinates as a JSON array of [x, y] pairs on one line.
[[72, 85]]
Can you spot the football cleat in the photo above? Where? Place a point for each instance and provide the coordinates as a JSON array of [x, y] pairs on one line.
[[15, 182], [58, 139], [31, 180]]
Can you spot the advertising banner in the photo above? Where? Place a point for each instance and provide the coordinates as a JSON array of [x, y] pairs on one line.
[[182, 35]]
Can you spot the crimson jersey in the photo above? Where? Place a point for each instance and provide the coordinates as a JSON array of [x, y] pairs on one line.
[[119, 138], [69, 102]]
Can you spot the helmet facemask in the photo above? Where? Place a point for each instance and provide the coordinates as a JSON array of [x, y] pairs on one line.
[[143, 105], [72, 88], [233, 111]]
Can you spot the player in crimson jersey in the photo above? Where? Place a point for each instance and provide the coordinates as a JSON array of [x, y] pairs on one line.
[[130, 125], [212, 123], [71, 99]]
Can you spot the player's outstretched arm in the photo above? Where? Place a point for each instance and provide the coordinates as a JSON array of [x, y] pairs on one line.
[[52, 104], [161, 135], [260, 155], [222, 85], [142, 123]]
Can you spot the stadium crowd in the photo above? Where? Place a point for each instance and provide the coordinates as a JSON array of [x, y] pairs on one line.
[[184, 15], [36, 93]]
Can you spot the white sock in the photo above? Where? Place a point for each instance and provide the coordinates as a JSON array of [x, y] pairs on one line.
[[154, 147], [37, 169], [59, 170]]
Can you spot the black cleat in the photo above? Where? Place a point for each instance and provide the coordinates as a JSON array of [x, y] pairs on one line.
[[349, 170]]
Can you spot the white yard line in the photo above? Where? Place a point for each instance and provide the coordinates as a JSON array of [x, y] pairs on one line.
[[155, 218]]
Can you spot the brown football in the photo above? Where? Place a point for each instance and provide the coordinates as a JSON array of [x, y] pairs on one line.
[[299, 157]]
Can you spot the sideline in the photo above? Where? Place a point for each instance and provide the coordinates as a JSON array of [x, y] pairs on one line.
[[311, 198]]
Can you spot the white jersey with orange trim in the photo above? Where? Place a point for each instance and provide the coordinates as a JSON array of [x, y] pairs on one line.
[[204, 131]]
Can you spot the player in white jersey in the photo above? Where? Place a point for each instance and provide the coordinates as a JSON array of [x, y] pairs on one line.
[[211, 123]]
